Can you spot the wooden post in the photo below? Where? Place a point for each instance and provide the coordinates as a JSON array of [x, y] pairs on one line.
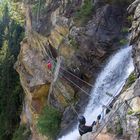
[[28, 19]]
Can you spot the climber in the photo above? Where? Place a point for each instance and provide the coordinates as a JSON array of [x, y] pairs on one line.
[[83, 128], [49, 65], [97, 122]]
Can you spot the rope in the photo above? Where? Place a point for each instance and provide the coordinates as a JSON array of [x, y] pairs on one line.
[[87, 92], [51, 54], [83, 81], [70, 72], [76, 85], [74, 75], [81, 89], [74, 110], [78, 77], [102, 111], [68, 102]]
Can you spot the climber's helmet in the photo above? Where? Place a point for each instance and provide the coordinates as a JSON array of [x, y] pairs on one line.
[[99, 117], [81, 119]]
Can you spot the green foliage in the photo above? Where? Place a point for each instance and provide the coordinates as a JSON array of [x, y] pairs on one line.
[[130, 112], [119, 129], [15, 10], [123, 42], [73, 42], [49, 122], [125, 30], [10, 95], [22, 133], [130, 18], [16, 13], [138, 130], [131, 80], [85, 12], [139, 126], [10, 89]]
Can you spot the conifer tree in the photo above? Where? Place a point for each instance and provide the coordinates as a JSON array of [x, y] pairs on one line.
[[10, 90]]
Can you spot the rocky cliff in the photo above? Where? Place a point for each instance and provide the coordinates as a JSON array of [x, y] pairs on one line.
[[80, 33]]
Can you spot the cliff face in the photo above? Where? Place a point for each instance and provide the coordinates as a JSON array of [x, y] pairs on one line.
[[84, 34], [135, 39]]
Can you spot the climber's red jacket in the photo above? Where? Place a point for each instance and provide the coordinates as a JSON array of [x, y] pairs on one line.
[[49, 65]]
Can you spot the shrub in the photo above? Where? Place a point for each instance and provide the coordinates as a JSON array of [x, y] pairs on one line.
[[73, 42], [123, 42], [125, 30], [49, 122], [85, 12], [130, 112], [130, 18], [139, 126], [119, 129], [138, 130], [22, 133], [131, 79]]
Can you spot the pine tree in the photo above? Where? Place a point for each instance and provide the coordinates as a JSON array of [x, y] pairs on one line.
[[10, 89]]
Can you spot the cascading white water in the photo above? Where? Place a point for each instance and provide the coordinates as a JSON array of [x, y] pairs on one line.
[[111, 80]]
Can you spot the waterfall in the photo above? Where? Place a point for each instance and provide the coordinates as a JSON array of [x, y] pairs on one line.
[[111, 79]]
